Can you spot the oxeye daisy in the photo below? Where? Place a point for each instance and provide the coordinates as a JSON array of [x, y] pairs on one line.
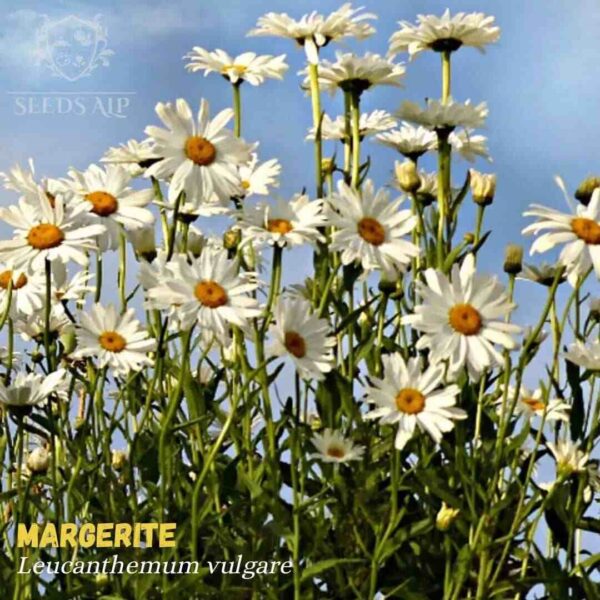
[[369, 229], [531, 403], [47, 232], [257, 178], [27, 291], [210, 291], [248, 66], [314, 31], [285, 223], [113, 203], [438, 115], [133, 155], [65, 287], [201, 157], [27, 390], [569, 458], [411, 141], [584, 355], [469, 145], [23, 182], [461, 317], [33, 326], [544, 274], [413, 398], [333, 447], [352, 73], [303, 337], [580, 232], [444, 34], [117, 341], [369, 124]]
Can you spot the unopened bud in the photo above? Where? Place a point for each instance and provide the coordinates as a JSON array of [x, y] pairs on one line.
[[595, 309], [118, 459], [68, 339], [445, 517], [483, 187], [38, 460], [407, 176], [231, 239], [469, 237], [195, 242], [513, 259], [143, 241], [586, 189], [328, 166]]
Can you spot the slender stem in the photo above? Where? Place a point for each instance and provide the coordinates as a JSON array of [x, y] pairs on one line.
[[123, 271], [446, 76], [237, 109], [47, 313], [444, 158], [355, 120], [315, 95], [98, 276]]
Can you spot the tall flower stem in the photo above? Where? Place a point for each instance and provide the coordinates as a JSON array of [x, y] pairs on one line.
[[47, 313], [315, 96], [237, 109], [446, 76], [98, 276], [122, 271], [355, 120], [444, 158]]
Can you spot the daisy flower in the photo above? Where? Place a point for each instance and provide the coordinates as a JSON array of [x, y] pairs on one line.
[[461, 318], [117, 341], [413, 398], [586, 356], [133, 155], [23, 182], [48, 232], [438, 115], [30, 389], [257, 178], [444, 34], [202, 157], [33, 327], [580, 232], [313, 31], [333, 447], [113, 203], [303, 337], [357, 73], [569, 458], [370, 229], [143, 241], [286, 223], [544, 274], [468, 145], [531, 403], [27, 293], [69, 288], [368, 124], [410, 141], [210, 291], [248, 66]]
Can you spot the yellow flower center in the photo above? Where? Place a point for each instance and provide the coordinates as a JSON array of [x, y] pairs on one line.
[[210, 294], [281, 226], [335, 452], [6, 276], [410, 401], [237, 69], [465, 319], [45, 236], [295, 344], [587, 230], [200, 151], [112, 341], [371, 231], [534, 404], [245, 184], [103, 203]]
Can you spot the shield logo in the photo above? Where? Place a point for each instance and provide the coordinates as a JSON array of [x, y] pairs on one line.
[[72, 47]]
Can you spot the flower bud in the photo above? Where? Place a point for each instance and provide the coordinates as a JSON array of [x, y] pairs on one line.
[[118, 459], [586, 189], [513, 259], [195, 242], [231, 239], [483, 187], [328, 166], [143, 241], [445, 517], [595, 309], [68, 339], [38, 460], [407, 176]]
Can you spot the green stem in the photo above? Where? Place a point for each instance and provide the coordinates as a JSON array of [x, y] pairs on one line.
[[315, 95], [123, 271], [237, 109], [446, 76], [355, 121]]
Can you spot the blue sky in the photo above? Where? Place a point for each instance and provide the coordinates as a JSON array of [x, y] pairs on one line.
[[540, 81]]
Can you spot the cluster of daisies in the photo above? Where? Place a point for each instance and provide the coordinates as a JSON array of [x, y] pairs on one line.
[[197, 165]]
